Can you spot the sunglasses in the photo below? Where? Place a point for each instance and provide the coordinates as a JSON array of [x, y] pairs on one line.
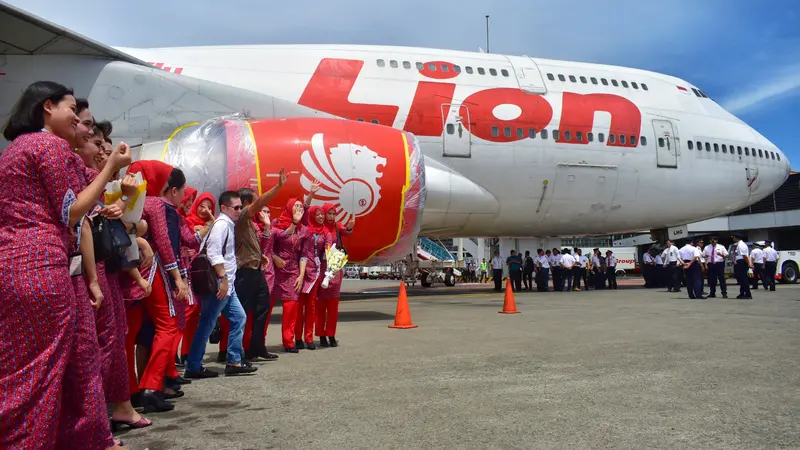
[[235, 208]]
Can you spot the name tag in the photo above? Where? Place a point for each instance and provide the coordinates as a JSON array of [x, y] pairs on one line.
[[76, 265]]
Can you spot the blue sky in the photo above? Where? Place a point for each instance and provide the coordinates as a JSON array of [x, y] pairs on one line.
[[744, 54]]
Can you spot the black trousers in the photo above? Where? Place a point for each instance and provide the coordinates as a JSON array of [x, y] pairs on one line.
[[611, 273], [716, 273], [542, 277], [497, 276], [557, 285], [770, 268], [758, 271], [527, 279], [674, 276], [253, 292], [740, 269], [516, 280]]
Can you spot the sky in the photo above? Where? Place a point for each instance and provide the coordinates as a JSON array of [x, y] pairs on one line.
[[744, 54]]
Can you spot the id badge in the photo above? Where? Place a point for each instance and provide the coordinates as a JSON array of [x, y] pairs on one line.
[[76, 265]]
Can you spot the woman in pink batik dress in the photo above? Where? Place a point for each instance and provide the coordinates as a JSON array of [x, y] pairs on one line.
[[328, 298], [52, 390], [290, 267], [110, 318], [317, 240]]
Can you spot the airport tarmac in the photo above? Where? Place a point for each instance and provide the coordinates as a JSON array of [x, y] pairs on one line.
[[631, 368]]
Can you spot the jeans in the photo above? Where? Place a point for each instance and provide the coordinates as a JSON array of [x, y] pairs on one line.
[[212, 307]]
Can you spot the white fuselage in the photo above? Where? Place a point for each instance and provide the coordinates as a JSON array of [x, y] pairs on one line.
[[497, 127], [592, 187]]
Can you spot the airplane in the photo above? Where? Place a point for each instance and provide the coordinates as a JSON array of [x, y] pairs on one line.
[[415, 141]]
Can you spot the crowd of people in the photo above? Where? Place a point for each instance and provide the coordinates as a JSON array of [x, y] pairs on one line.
[[695, 263], [566, 268], [87, 328]]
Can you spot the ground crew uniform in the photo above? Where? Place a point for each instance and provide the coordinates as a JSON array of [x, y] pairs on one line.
[[740, 267], [689, 255], [770, 267], [715, 255], [757, 258]]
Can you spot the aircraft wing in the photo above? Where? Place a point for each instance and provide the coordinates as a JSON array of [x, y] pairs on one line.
[[22, 33]]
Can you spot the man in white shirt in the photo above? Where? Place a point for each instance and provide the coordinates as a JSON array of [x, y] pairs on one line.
[[220, 248], [567, 263], [555, 269], [497, 271], [771, 258], [690, 261], [542, 270], [648, 268], [757, 257], [611, 269], [715, 255], [741, 264], [579, 271], [671, 258], [659, 270]]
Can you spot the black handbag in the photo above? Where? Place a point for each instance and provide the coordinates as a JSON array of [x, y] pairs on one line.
[[202, 274], [121, 241], [102, 237]]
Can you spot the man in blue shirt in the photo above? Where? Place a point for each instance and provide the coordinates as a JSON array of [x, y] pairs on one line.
[[514, 263]]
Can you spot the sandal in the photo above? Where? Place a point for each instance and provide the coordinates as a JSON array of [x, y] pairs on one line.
[[141, 423]]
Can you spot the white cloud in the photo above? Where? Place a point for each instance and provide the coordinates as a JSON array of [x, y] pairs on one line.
[[764, 91]]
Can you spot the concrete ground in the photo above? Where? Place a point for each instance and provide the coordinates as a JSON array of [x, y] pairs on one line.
[[614, 369]]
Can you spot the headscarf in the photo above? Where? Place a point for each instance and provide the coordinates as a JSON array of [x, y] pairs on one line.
[[191, 194], [287, 217], [156, 173], [330, 227], [193, 218], [313, 226]]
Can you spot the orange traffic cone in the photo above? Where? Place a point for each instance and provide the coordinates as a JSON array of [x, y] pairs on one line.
[[509, 306], [402, 317]]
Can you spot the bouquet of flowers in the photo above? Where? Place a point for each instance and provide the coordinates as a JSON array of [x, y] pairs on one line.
[[336, 260], [132, 213]]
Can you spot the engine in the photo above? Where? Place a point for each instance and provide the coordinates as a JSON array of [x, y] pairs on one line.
[[372, 173]]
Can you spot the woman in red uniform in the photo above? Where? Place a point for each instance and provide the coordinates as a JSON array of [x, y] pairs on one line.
[[317, 240], [185, 242], [49, 358], [201, 214], [290, 267], [328, 298], [160, 304]]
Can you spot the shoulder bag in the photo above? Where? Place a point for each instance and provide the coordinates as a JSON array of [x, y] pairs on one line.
[[202, 273]]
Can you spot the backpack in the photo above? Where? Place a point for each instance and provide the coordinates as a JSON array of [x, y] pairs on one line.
[[202, 274]]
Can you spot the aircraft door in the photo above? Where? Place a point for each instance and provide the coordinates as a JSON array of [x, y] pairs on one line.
[[666, 144], [528, 74], [456, 136]]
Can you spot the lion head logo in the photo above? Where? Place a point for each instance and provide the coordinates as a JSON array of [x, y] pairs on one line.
[[348, 176]]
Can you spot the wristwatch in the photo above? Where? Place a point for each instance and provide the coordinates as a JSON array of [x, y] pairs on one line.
[[124, 198]]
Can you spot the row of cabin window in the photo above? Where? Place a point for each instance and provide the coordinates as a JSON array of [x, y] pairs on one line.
[[593, 80], [442, 67], [747, 150], [531, 134]]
